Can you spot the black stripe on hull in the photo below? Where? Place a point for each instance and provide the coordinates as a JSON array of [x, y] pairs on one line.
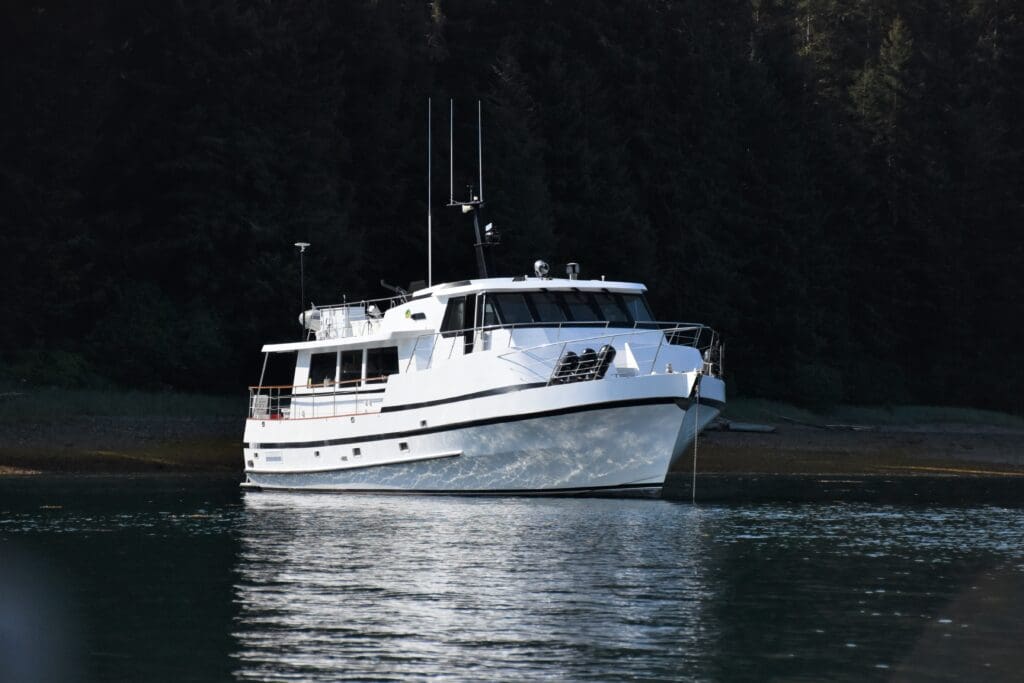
[[615, 490], [683, 403], [464, 397]]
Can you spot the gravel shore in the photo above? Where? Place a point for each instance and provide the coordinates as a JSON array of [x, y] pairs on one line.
[[918, 464], [143, 444], [802, 449], [121, 444]]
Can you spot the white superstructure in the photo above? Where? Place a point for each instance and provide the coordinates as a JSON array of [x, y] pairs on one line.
[[496, 385]]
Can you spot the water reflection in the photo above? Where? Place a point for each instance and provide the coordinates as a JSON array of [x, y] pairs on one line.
[[388, 587], [365, 586], [180, 579]]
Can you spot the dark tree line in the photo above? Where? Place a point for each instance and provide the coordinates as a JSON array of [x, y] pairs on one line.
[[838, 187]]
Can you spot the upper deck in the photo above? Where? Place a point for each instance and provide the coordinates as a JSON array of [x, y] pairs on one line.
[[475, 335], [474, 304]]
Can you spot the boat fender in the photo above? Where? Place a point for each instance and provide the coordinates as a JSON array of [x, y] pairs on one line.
[[567, 365], [607, 355], [588, 365]]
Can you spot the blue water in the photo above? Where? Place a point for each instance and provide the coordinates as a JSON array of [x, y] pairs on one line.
[[163, 578]]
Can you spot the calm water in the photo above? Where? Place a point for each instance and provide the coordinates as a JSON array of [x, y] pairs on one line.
[[158, 578]]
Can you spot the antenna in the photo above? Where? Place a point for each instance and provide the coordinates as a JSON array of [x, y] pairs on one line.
[[451, 150], [430, 241], [475, 202], [476, 199], [480, 150], [302, 246]]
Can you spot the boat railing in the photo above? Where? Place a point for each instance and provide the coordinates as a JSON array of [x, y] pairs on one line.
[[350, 318], [327, 399], [442, 345], [557, 363]]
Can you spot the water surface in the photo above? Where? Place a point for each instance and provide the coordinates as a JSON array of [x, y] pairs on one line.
[[164, 578]]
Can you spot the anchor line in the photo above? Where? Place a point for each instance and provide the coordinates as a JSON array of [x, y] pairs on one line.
[[696, 428]]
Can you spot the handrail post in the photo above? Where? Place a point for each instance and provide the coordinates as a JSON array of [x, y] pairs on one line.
[[412, 355], [657, 352]]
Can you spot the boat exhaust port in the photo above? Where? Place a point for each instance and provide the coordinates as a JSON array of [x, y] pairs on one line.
[[583, 367]]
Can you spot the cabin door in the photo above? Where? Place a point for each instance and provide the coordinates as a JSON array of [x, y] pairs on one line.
[[460, 322]]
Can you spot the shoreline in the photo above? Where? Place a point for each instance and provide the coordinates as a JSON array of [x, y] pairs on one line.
[[804, 449], [81, 445], [923, 463], [916, 463]]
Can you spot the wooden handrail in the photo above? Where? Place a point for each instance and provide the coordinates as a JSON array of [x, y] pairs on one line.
[[319, 385]]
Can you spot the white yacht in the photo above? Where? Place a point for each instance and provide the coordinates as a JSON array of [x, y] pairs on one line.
[[524, 385], [497, 385]]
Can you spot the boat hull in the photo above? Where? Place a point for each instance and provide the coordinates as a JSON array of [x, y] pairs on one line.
[[620, 448]]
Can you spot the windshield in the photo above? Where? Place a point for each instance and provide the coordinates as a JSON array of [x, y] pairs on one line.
[[518, 308]]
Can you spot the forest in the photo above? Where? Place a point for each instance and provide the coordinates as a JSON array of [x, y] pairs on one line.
[[836, 186]]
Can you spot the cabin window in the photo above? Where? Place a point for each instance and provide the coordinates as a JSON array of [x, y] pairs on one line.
[[381, 363], [490, 313], [454, 317], [579, 307], [351, 365], [521, 308], [548, 308], [637, 308], [322, 367], [513, 309], [612, 308]]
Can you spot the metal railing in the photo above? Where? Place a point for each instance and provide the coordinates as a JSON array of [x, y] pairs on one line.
[[351, 318], [329, 399], [442, 345], [556, 363], [638, 346]]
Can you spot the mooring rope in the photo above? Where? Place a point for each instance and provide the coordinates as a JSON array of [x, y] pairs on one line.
[[696, 423]]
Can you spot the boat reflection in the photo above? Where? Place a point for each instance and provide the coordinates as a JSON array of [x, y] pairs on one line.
[[333, 586]]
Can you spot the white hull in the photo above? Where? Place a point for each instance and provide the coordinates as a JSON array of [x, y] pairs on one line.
[[618, 437], [491, 386]]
